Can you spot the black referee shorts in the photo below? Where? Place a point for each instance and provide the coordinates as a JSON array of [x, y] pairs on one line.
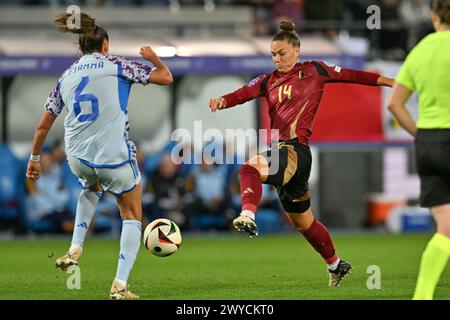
[[291, 178], [433, 165]]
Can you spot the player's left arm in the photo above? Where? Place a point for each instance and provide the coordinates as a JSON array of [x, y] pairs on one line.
[[137, 72], [397, 106], [333, 73], [385, 82], [161, 73]]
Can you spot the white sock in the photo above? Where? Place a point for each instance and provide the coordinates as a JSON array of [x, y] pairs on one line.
[[333, 266], [130, 240], [87, 202], [248, 213]]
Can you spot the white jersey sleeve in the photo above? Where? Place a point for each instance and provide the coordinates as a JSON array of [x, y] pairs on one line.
[[54, 103], [132, 71]]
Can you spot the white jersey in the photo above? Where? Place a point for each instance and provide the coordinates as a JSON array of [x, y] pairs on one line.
[[95, 90]]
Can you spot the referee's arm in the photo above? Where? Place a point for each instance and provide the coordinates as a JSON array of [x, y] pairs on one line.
[[396, 105]]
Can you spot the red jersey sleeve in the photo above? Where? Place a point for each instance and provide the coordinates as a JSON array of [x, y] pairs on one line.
[[333, 73], [256, 88]]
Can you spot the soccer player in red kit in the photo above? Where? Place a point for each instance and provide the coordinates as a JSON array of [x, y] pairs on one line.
[[293, 92]]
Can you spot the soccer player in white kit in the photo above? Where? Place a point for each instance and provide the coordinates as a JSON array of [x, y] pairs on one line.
[[95, 91]]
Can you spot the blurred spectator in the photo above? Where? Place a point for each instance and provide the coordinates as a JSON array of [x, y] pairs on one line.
[[165, 193], [140, 164], [392, 36], [270, 200], [191, 2], [415, 15], [269, 217], [415, 11], [331, 11], [34, 2], [47, 199], [286, 10], [355, 10], [58, 155], [58, 152], [211, 204], [66, 3], [107, 216], [11, 190], [261, 12]]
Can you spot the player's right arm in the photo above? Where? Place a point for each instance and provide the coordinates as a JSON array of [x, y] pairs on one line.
[[42, 129], [256, 88], [53, 108]]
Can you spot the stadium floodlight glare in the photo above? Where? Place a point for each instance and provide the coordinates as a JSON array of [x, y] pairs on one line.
[[166, 51], [184, 51]]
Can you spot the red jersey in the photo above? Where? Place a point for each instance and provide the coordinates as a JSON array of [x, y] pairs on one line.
[[294, 97]]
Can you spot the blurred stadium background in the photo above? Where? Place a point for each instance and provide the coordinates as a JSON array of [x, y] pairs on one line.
[[364, 167], [363, 178]]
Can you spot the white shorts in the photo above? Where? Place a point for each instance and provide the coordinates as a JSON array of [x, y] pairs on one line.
[[115, 180]]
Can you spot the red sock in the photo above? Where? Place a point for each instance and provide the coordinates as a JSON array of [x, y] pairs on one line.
[[251, 189], [318, 236]]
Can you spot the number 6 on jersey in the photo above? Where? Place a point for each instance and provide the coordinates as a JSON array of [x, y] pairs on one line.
[[85, 97]]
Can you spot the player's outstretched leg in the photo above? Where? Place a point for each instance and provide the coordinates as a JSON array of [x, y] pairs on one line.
[[319, 238], [87, 202], [251, 191], [130, 240]]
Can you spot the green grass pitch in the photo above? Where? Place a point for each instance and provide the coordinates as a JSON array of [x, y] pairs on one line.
[[221, 267]]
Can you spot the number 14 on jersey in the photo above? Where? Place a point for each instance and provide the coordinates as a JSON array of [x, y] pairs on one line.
[[285, 90]]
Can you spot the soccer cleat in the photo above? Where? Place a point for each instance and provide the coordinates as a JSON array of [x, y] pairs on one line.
[[69, 259], [335, 276], [119, 292], [244, 223]]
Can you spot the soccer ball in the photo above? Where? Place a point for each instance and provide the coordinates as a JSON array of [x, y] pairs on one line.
[[162, 237]]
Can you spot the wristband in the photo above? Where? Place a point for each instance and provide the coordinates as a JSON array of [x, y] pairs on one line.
[[35, 158]]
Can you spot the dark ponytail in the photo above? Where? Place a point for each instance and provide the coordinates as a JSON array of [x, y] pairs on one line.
[[91, 36], [442, 9], [287, 33]]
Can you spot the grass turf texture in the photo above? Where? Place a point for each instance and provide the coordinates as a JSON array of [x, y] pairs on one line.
[[223, 267]]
